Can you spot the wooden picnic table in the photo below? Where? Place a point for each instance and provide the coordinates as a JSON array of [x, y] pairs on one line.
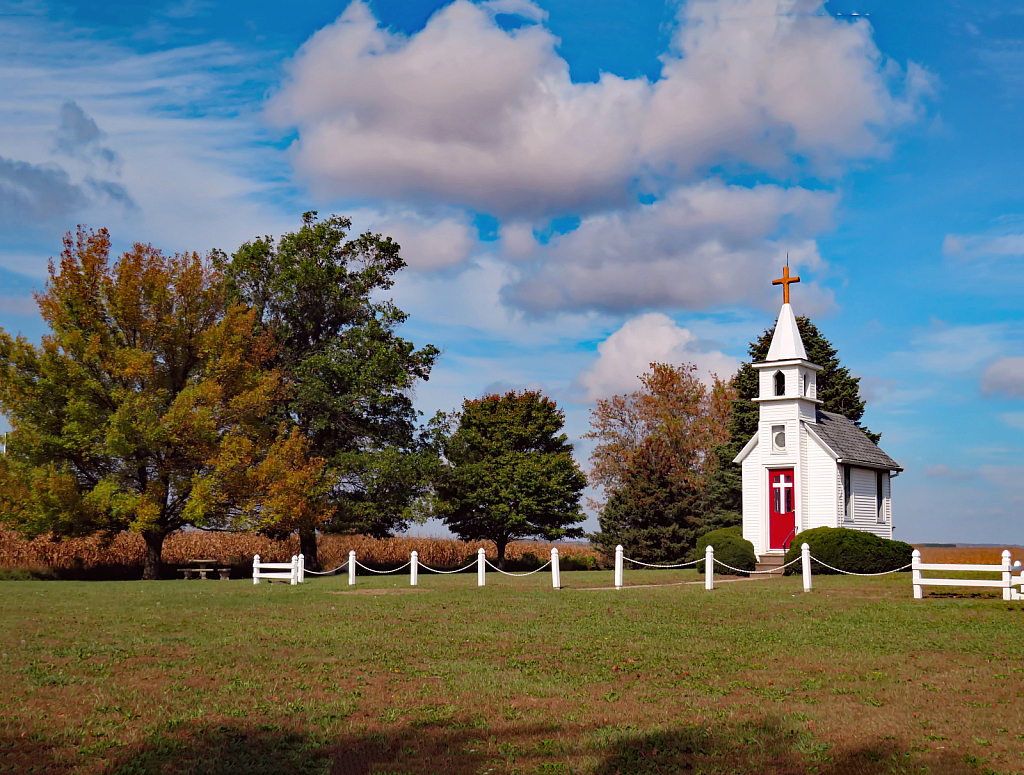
[[199, 568]]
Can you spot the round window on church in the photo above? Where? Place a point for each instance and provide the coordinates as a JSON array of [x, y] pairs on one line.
[[779, 437]]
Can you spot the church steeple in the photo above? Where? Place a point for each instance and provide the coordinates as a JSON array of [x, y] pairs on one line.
[[786, 341]]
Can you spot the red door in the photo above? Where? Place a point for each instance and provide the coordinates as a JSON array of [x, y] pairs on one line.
[[781, 509]]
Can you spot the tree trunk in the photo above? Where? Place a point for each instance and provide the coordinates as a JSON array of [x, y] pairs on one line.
[[307, 545], [501, 543], [153, 570]]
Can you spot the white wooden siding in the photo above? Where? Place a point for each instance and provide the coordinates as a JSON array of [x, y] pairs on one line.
[[819, 473], [804, 478], [766, 383], [772, 412], [840, 497], [865, 503], [752, 473]]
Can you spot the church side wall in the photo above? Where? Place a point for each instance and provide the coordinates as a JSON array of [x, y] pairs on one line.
[[865, 504], [751, 472], [820, 471]]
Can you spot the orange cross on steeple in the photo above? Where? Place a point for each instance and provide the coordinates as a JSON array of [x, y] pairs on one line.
[[784, 281]]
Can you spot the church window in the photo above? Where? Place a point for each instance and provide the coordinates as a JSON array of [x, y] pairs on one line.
[[880, 496], [848, 492], [807, 385], [780, 383], [779, 438]]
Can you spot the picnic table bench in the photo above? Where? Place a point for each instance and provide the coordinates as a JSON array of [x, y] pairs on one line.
[[200, 568]]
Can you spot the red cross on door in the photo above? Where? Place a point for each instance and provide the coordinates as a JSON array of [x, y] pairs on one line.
[[781, 509]]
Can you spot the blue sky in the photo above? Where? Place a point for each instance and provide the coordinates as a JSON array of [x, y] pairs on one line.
[[580, 187]]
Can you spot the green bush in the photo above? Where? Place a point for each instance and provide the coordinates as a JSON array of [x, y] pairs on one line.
[[850, 550], [579, 562], [730, 548]]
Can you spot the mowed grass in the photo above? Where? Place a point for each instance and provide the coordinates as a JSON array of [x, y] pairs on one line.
[[227, 677]]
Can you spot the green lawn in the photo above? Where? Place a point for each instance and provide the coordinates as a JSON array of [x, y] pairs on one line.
[[225, 677]]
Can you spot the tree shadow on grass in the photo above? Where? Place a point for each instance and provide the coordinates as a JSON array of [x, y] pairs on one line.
[[226, 750], [772, 746], [768, 746]]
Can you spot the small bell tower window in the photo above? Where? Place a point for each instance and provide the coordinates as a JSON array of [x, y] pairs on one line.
[[780, 383]]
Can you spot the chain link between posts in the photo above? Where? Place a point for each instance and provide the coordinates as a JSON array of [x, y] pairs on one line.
[[649, 565], [435, 570], [530, 573], [851, 573], [773, 570], [326, 572], [393, 570]]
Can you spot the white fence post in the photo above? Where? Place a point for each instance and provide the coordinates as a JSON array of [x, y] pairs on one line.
[[256, 569], [481, 569], [352, 567], [915, 573], [618, 566], [295, 571], [414, 569], [1007, 575], [556, 573], [709, 568], [805, 566], [302, 568], [1018, 594]]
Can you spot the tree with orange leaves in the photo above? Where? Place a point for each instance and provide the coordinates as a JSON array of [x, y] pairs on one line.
[[145, 408], [654, 457]]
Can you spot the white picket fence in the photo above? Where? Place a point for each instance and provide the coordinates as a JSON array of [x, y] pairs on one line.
[[294, 571], [1005, 569]]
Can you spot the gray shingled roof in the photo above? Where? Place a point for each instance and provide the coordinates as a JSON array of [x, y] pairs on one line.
[[850, 443]]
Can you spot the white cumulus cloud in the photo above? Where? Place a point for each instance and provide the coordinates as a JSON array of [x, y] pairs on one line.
[[647, 339], [470, 114], [702, 246]]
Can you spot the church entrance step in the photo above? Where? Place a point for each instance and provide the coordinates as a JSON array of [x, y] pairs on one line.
[[770, 561]]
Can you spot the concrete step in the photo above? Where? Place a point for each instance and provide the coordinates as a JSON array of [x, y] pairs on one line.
[[769, 561]]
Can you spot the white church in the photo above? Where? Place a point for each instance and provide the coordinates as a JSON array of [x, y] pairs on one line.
[[807, 468]]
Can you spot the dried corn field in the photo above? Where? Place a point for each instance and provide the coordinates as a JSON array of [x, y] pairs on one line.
[[127, 550], [985, 555]]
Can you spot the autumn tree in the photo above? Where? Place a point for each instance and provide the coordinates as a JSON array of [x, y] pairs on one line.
[[146, 407], [509, 471], [318, 292], [837, 389], [654, 460]]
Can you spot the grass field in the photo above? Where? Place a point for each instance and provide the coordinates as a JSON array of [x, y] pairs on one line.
[[227, 677]]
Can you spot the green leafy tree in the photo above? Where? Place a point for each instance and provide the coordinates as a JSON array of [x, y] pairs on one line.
[[838, 391], [318, 292], [135, 410], [509, 471], [654, 460]]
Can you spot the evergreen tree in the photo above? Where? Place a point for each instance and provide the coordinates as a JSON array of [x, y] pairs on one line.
[[838, 391]]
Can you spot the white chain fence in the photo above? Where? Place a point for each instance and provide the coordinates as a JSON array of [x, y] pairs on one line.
[[650, 565], [393, 570], [773, 570], [294, 572], [851, 573], [458, 570], [519, 575]]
